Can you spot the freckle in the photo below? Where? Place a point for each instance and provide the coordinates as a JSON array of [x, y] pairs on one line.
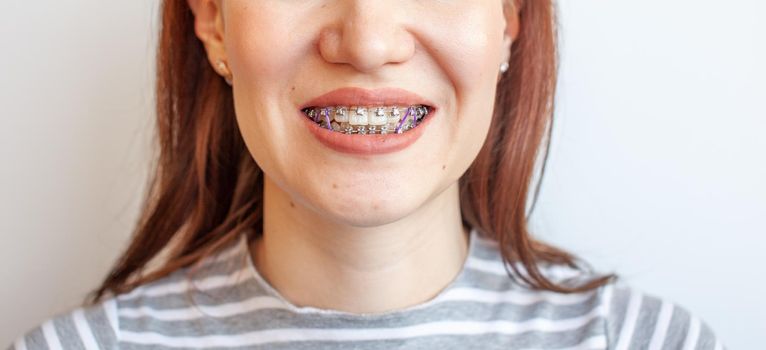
[[292, 88], [334, 185], [444, 167], [292, 204]]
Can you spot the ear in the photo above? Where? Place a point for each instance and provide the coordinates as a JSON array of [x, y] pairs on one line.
[[511, 12], [209, 27]]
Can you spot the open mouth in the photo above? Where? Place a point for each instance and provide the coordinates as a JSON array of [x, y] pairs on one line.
[[366, 120]]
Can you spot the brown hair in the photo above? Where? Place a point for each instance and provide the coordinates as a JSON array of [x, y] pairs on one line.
[[207, 189]]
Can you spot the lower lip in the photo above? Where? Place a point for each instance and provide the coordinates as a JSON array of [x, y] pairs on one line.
[[367, 144]]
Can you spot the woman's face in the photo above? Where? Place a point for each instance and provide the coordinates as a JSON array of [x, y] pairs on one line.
[[284, 54]]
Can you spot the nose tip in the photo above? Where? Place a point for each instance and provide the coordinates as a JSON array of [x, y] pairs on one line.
[[365, 40]]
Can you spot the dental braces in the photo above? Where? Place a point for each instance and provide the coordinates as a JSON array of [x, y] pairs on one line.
[[361, 120]]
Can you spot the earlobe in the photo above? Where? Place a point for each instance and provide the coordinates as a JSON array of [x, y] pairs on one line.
[[507, 43], [208, 27]]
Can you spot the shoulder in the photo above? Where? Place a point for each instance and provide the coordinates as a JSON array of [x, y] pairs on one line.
[[632, 319], [638, 320], [184, 293], [87, 327]]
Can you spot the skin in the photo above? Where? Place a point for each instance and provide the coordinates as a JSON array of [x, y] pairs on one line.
[[354, 233]]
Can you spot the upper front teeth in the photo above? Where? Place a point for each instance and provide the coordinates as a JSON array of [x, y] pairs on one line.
[[368, 119], [359, 117]]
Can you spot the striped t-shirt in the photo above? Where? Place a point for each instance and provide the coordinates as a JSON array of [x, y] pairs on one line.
[[229, 305]]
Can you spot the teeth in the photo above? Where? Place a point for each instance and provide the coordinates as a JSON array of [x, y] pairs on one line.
[[368, 119], [394, 115], [359, 117], [378, 117], [341, 115]]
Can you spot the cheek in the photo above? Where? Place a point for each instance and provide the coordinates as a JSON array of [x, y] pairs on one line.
[[260, 46], [469, 47], [469, 52], [263, 52]]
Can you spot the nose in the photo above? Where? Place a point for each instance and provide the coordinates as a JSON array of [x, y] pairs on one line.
[[367, 35]]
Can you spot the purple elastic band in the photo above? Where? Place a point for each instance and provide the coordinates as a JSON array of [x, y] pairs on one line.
[[327, 117], [409, 110]]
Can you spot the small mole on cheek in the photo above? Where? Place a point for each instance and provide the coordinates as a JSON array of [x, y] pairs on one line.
[[292, 88], [334, 185], [292, 204], [444, 167]]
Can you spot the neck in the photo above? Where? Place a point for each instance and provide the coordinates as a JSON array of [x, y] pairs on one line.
[[316, 262]]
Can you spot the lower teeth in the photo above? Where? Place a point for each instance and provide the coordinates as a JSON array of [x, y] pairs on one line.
[[397, 120]]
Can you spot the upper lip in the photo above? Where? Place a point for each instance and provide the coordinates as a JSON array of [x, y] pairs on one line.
[[352, 96]]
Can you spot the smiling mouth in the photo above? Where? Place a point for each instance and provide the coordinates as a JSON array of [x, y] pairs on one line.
[[366, 120]]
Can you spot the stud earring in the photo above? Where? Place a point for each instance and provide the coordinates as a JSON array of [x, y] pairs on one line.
[[504, 67], [223, 70]]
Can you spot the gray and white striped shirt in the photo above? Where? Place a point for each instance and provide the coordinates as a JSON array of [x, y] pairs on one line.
[[229, 305]]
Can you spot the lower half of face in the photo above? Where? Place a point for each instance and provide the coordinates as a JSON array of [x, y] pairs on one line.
[[313, 85]]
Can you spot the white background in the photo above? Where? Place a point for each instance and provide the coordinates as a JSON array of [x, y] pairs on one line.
[[657, 169]]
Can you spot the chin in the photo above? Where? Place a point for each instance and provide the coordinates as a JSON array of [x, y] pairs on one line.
[[368, 210]]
